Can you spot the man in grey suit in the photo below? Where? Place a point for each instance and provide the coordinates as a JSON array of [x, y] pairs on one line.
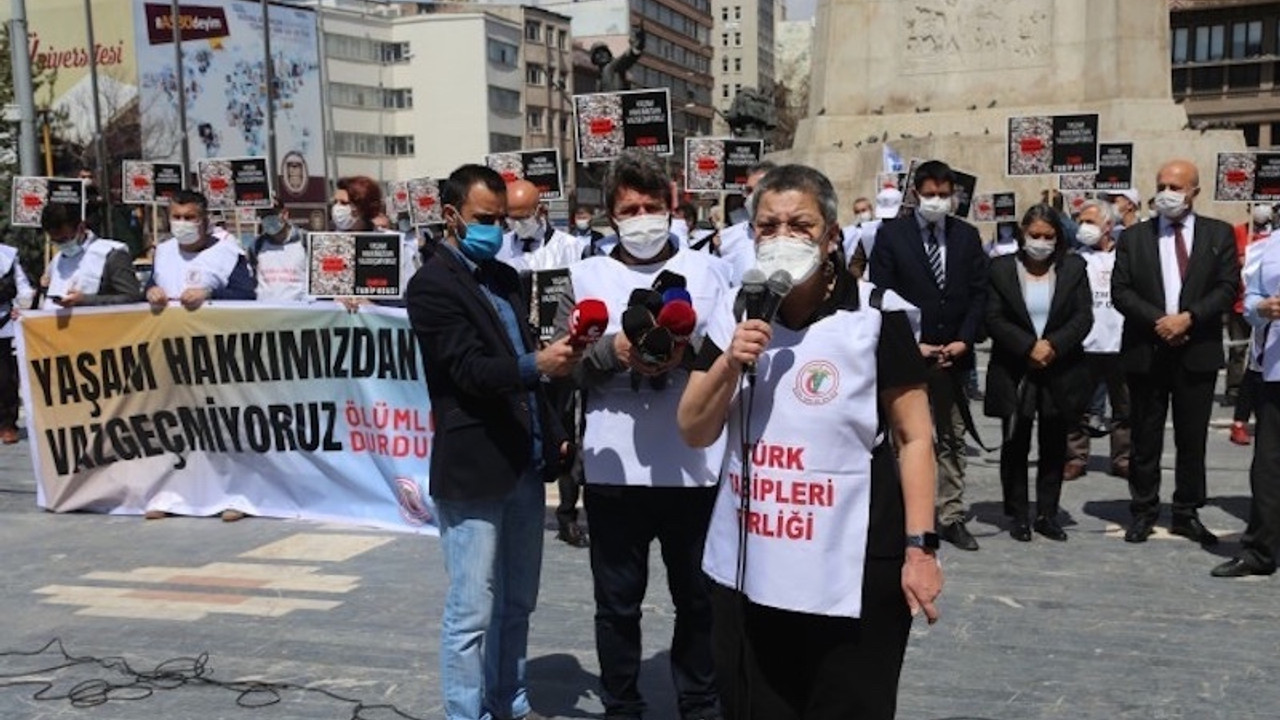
[[1175, 276]]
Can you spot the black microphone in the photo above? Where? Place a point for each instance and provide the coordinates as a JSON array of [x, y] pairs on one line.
[[636, 320], [667, 280], [764, 304], [646, 298], [656, 345]]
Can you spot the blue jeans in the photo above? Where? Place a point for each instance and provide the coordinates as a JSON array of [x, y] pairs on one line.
[[493, 556]]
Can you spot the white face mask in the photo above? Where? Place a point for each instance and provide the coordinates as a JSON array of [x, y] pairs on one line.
[[644, 236], [1039, 249], [934, 209], [272, 224], [864, 216], [1261, 215], [582, 225], [1171, 204], [799, 256], [1089, 234], [186, 232], [344, 218], [529, 228]]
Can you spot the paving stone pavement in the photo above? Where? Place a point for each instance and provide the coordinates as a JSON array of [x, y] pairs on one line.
[[1094, 628]]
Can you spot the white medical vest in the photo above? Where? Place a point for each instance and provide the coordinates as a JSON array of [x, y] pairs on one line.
[[631, 435]]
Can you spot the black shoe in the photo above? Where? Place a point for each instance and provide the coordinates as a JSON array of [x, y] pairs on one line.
[[1020, 531], [1191, 527], [1050, 528], [957, 534], [574, 535], [1140, 530], [1241, 567], [1097, 427]]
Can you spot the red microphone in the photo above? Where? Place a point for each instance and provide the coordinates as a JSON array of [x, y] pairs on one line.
[[588, 322], [680, 318]]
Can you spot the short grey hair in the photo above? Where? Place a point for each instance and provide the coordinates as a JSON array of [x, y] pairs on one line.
[[1107, 210], [639, 170], [800, 178]]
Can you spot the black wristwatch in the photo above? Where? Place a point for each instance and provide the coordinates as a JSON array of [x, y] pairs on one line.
[[925, 541]]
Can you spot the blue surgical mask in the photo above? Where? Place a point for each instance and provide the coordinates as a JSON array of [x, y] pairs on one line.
[[481, 242]]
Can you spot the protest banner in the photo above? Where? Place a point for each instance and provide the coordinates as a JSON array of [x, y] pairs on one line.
[[540, 167], [365, 264], [605, 124], [1052, 145], [32, 194], [720, 164]]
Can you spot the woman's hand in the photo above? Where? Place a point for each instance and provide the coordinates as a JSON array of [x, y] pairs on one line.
[[748, 343], [1042, 355], [922, 583]]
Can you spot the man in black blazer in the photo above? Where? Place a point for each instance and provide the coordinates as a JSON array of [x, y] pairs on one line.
[[936, 262], [1175, 276], [496, 441]]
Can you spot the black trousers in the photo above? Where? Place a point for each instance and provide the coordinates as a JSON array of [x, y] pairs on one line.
[[1262, 535], [1247, 396], [778, 665], [8, 384], [1052, 439], [1150, 395], [624, 523]]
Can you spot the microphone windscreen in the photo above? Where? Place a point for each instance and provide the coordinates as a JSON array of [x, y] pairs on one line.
[[646, 297], [676, 294], [636, 321], [588, 322], [780, 283], [680, 318], [754, 276], [656, 346], [668, 279]]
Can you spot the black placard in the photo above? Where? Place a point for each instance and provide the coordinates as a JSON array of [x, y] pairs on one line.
[[1052, 145], [540, 167], [1075, 143], [608, 123], [963, 192], [1266, 181], [720, 164], [1115, 167], [353, 265], [548, 287], [252, 178]]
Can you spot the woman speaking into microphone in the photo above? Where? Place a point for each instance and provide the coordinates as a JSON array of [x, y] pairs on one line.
[[820, 559]]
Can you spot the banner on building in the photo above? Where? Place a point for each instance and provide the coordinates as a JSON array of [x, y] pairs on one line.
[[1052, 145], [32, 194], [605, 124], [279, 411], [719, 164], [540, 167], [353, 265]]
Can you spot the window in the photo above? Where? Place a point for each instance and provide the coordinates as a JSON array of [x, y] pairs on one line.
[[504, 54], [1246, 39], [737, 64], [395, 53], [1202, 44], [564, 124], [1217, 42], [724, 91], [361, 49], [502, 100], [724, 39], [504, 143], [724, 13], [737, 12], [551, 36], [724, 64], [367, 96], [1179, 45], [351, 143], [535, 121], [562, 39], [737, 39], [533, 31], [534, 74]]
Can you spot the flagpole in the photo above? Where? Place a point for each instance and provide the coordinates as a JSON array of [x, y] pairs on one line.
[[99, 140], [272, 157], [182, 93]]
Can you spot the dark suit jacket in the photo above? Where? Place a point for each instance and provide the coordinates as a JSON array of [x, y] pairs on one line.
[[1062, 389], [898, 262], [483, 441], [1137, 291]]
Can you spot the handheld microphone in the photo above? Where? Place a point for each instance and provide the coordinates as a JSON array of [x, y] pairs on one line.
[[667, 280], [656, 345], [680, 319], [763, 304], [588, 322], [750, 295], [646, 298], [636, 321], [676, 294]]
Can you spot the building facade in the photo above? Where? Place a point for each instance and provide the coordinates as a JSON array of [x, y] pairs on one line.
[[1225, 69], [745, 50]]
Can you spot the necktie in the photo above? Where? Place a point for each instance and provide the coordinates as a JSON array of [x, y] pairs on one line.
[[528, 245], [935, 256], [859, 262], [1180, 250]]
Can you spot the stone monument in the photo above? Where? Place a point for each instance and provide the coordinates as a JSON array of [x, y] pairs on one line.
[[940, 78]]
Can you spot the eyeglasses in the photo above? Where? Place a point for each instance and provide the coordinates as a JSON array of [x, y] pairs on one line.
[[769, 228]]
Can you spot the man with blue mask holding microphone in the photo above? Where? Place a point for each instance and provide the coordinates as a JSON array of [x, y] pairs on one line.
[[497, 439]]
